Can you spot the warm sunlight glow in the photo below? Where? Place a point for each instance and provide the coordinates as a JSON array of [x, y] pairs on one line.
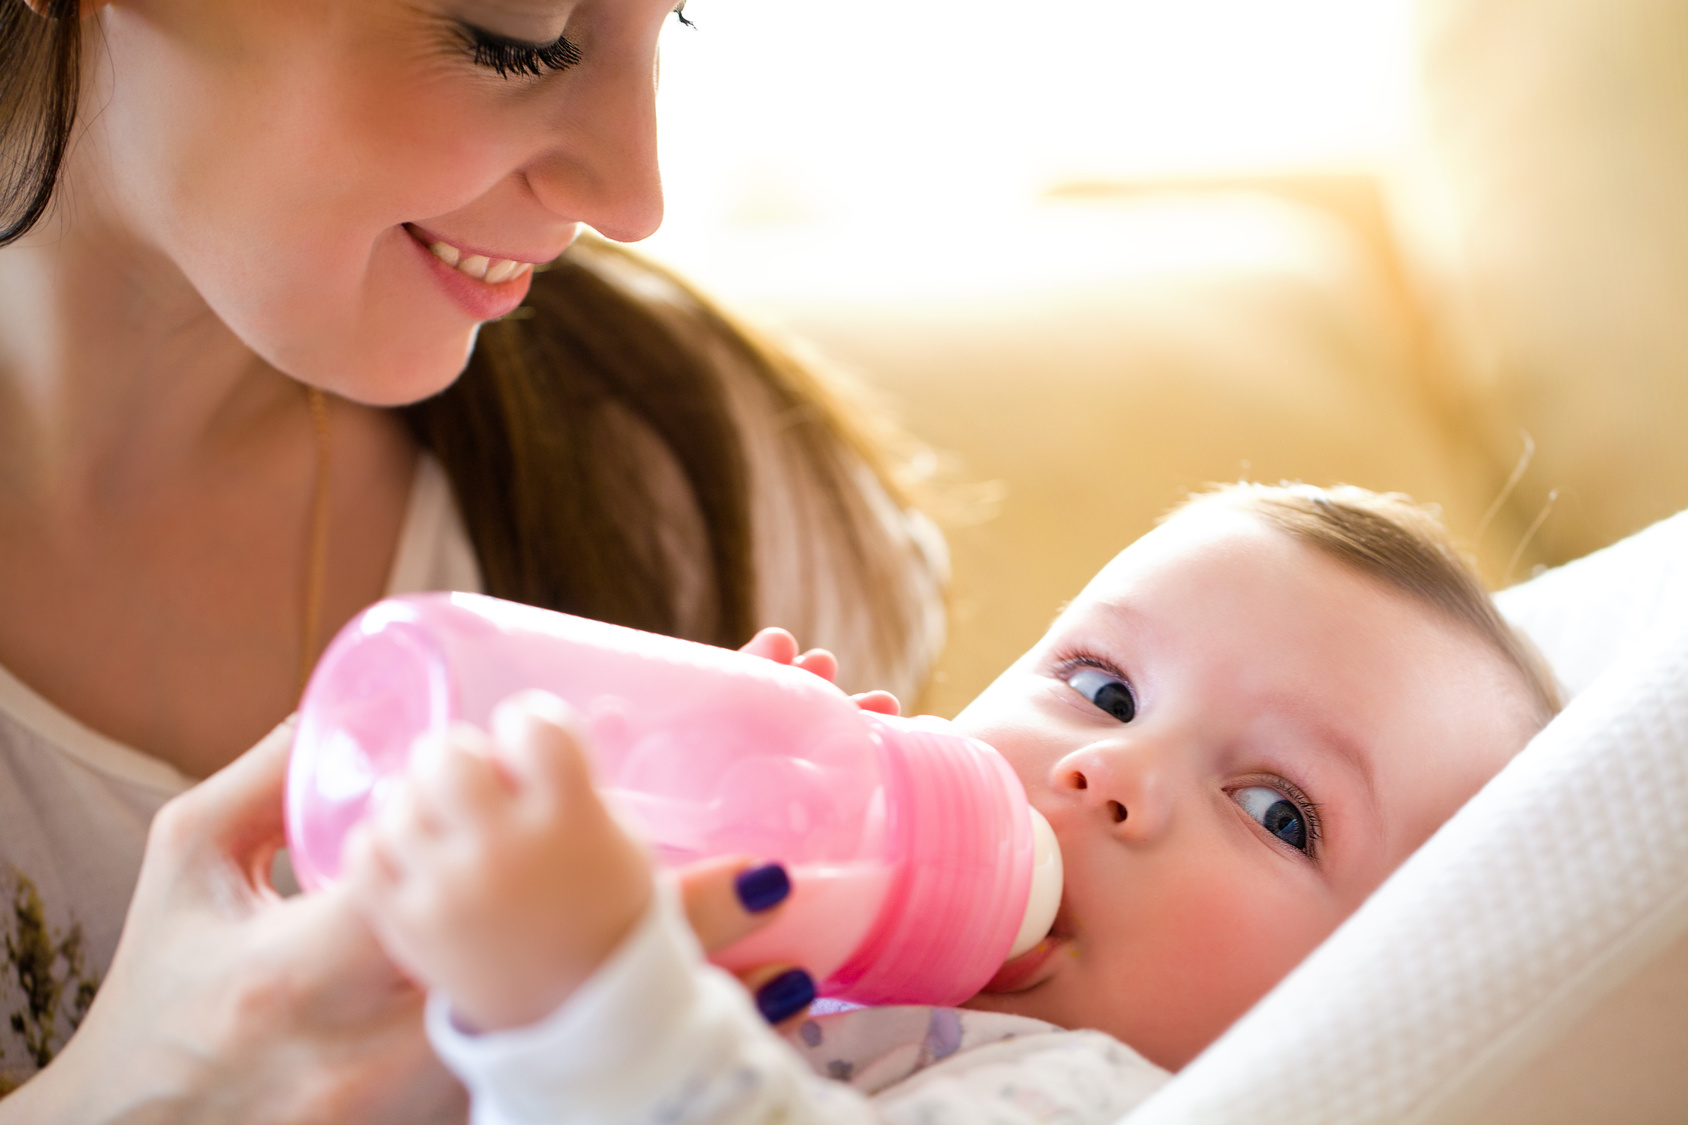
[[897, 113]]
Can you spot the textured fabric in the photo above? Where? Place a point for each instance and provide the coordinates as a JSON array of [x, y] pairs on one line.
[[873, 1049], [658, 1036], [1565, 874]]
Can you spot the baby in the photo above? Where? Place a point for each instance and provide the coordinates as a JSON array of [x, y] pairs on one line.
[[1238, 729]]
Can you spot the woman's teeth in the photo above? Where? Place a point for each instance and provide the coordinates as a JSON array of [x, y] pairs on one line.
[[478, 266]]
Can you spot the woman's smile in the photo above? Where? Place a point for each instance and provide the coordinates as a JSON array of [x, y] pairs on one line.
[[484, 285]]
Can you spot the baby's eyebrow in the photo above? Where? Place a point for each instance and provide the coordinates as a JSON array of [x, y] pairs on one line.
[[1330, 742]]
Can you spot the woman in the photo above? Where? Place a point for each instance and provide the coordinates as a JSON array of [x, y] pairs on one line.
[[245, 248]]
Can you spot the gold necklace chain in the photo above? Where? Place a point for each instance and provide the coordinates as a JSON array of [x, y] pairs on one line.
[[316, 557]]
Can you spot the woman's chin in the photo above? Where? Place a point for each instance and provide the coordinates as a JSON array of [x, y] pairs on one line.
[[402, 369]]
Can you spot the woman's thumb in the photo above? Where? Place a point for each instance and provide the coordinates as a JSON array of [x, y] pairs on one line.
[[237, 814]]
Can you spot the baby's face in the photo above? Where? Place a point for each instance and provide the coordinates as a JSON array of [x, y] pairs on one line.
[[1236, 739]]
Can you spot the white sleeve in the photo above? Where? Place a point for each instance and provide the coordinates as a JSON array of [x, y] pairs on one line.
[[658, 1035]]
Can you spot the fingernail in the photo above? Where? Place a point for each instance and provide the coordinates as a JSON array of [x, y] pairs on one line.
[[785, 995], [762, 888]]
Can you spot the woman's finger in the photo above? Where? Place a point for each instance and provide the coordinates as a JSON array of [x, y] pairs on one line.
[[731, 897], [782, 993], [233, 818]]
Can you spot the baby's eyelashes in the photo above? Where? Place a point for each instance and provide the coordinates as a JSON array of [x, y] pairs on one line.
[[1287, 818], [1104, 690]]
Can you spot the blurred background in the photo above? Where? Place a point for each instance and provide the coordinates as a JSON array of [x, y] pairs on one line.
[[1096, 253]]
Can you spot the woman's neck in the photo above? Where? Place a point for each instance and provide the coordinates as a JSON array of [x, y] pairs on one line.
[[156, 499]]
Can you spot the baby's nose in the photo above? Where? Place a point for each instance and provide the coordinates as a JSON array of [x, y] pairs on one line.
[[1117, 786]]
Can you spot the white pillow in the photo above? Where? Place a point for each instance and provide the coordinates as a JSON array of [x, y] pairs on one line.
[[1537, 903]]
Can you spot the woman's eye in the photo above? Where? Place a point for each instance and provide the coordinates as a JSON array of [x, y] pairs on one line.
[[1276, 813], [505, 56], [1110, 693], [680, 14]]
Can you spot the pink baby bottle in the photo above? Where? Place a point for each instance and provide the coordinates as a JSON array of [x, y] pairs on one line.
[[917, 865]]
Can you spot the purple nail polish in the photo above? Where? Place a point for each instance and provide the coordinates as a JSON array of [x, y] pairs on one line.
[[785, 995], [762, 888]]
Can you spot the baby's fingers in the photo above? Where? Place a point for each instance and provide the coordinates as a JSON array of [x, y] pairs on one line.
[[543, 743], [819, 662], [455, 778], [772, 643], [879, 702]]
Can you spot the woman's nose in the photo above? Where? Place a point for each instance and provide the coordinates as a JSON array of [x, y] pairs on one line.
[[1119, 787], [601, 167]]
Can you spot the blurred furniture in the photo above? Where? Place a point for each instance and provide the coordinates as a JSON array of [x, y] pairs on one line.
[[1084, 362], [1523, 272]]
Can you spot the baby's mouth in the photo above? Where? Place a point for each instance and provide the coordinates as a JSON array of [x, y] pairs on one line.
[[1026, 971]]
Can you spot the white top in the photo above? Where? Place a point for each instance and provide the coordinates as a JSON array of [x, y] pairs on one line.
[[75, 806], [656, 1035]]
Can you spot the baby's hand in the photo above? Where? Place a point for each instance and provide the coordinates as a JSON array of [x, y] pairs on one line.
[[492, 871], [778, 645]]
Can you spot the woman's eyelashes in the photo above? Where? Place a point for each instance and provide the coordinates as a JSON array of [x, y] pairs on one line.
[[1105, 690], [1283, 811], [509, 57]]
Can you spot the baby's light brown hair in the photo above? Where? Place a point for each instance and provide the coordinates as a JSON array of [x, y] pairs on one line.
[[1401, 544]]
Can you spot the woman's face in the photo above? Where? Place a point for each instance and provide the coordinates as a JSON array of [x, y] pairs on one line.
[[295, 159], [1236, 739]]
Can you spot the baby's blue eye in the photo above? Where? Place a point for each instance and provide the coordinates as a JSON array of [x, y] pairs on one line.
[[1276, 813], [1110, 693]]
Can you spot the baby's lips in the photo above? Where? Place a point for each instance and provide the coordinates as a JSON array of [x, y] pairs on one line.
[[1024, 971]]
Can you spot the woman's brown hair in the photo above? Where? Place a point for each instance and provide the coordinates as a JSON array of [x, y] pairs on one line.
[[558, 505], [40, 75], [556, 500]]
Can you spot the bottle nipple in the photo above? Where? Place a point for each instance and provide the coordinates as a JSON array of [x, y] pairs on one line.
[[1045, 898]]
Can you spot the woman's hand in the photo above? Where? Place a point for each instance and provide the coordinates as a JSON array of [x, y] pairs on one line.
[[731, 897], [228, 1003]]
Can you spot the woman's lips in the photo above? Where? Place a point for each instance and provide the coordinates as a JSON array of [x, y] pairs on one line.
[[485, 288]]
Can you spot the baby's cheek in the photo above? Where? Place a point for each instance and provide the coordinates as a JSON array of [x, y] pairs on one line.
[[1219, 940]]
